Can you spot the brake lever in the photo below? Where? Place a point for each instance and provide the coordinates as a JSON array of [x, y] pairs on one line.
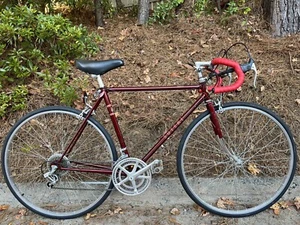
[[250, 66], [230, 78], [253, 67]]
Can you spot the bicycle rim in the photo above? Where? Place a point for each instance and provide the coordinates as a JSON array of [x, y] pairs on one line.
[[247, 170], [39, 139]]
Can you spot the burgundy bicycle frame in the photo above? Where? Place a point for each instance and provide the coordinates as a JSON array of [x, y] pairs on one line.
[[203, 97]]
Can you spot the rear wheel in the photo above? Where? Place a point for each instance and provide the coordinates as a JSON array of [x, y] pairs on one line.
[[247, 170], [36, 142]]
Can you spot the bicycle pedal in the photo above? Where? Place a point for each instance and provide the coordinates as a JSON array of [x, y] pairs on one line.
[[157, 168]]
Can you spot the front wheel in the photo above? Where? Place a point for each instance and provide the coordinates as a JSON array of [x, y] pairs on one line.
[[37, 142], [244, 172]]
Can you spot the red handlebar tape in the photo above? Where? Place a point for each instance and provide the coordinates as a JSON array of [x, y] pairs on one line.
[[238, 70]]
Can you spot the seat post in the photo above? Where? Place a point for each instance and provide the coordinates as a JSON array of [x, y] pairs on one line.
[[99, 79]]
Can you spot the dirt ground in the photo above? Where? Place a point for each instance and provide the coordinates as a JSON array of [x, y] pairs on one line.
[[158, 55]]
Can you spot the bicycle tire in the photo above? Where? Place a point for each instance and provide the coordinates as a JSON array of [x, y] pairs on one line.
[[251, 175], [40, 138]]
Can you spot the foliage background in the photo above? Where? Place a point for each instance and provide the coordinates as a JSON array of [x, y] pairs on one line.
[[37, 46]]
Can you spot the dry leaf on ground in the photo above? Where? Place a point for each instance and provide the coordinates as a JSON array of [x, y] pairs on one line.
[[146, 71], [21, 213], [90, 215], [276, 208], [223, 203], [124, 33], [174, 74], [175, 211], [199, 111], [297, 202], [118, 210], [109, 213], [147, 79], [252, 168], [78, 104], [3, 207], [195, 94], [285, 204], [173, 220], [202, 211]]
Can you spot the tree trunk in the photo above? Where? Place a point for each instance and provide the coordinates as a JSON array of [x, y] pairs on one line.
[[143, 13], [98, 13], [283, 16]]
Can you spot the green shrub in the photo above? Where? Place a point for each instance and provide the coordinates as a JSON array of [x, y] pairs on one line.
[[164, 11], [5, 101], [52, 6], [234, 7], [15, 99], [18, 97], [237, 7], [201, 6], [33, 44]]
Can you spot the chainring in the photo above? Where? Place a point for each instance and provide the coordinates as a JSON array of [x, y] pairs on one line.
[[128, 179]]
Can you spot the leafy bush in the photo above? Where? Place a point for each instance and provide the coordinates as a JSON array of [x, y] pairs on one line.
[[5, 101], [52, 6], [237, 7], [233, 7], [33, 44], [83, 5], [201, 6], [164, 11], [16, 99]]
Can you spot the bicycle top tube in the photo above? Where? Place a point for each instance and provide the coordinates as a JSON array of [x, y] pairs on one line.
[[100, 68], [154, 88]]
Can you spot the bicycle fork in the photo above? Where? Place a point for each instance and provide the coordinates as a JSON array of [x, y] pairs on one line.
[[214, 119], [218, 132]]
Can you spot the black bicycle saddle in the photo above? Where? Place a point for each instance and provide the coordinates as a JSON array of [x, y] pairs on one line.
[[98, 67]]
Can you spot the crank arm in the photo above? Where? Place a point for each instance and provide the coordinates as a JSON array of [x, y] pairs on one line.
[[154, 163]]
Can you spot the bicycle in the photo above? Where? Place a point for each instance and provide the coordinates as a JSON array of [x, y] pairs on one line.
[[61, 163]]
